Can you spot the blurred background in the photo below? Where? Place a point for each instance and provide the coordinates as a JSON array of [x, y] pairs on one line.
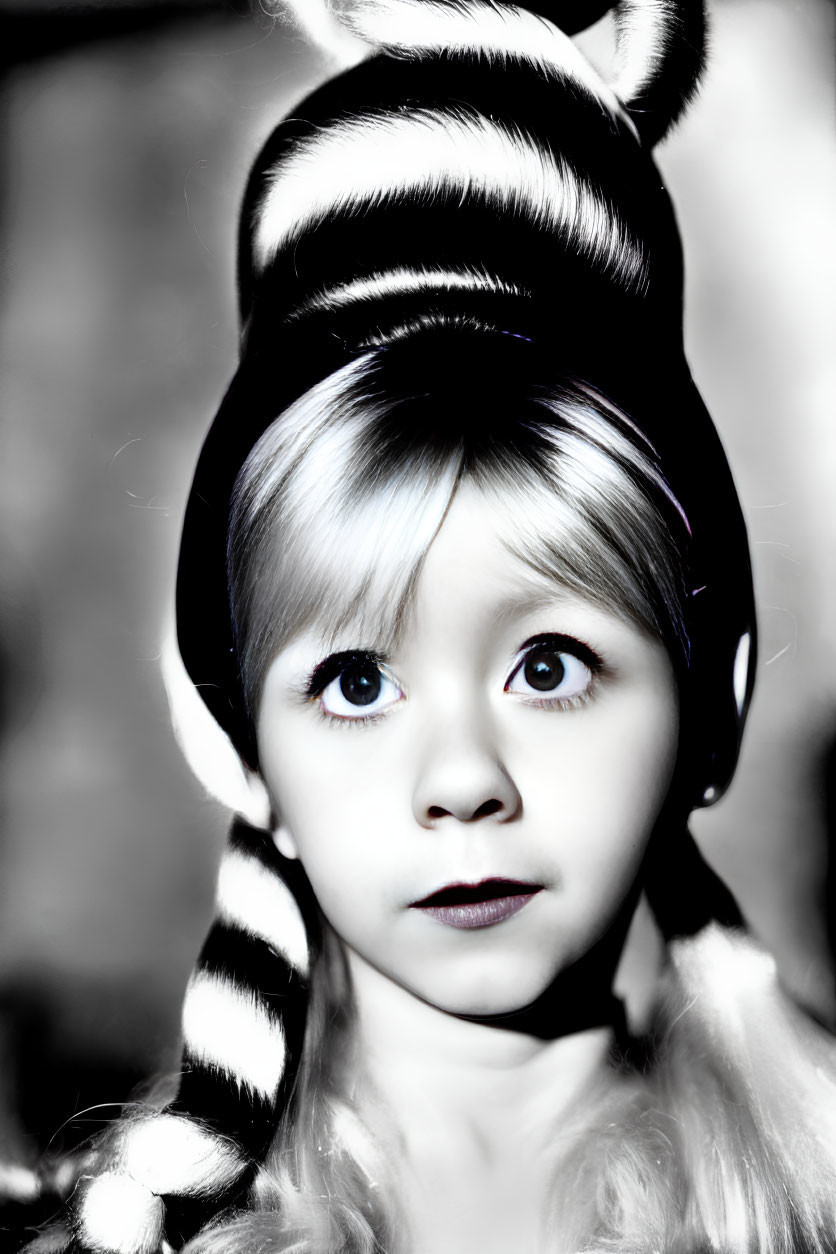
[[128, 129]]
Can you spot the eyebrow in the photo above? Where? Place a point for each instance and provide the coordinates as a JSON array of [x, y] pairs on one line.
[[529, 601]]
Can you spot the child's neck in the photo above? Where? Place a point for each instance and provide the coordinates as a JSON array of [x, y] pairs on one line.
[[475, 1112]]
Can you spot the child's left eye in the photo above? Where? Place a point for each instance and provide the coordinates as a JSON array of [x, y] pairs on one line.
[[361, 689], [547, 669]]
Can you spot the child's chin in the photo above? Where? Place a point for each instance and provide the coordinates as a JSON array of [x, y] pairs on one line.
[[496, 1000]]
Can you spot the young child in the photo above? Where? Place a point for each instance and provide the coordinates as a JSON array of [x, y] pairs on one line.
[[465, 631]]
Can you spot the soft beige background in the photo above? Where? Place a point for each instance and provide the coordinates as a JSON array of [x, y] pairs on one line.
[[123, 161]]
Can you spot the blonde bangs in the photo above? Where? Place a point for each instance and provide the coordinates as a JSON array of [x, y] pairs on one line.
[[330, 526], [319, 540]]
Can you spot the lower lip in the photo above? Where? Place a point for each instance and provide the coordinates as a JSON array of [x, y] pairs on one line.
[[479, 913]]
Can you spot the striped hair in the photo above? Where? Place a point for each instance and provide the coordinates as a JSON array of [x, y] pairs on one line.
[[243, 1026], [659, 43], [477, 174]]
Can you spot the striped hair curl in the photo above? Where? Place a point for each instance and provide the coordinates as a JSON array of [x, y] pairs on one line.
[[660, 44]]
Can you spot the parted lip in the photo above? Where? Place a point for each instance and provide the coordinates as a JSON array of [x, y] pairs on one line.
[[469, 894]]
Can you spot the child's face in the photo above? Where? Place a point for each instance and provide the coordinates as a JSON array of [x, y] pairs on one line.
[[517, 733]]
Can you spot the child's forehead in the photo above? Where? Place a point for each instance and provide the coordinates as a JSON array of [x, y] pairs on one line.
[[476, 556], [360, 572], [531, 607], [369, 625]]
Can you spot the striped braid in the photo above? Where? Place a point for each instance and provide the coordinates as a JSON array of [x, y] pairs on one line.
[[31, 1197], [243, 1024]]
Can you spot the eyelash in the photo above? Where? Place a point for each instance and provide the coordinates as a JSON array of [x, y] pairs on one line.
[[330, 669], [333, 666], [561, 703], [560, 644], [346, 721]]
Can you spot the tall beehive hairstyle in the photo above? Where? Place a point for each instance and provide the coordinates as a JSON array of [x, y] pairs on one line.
[[472, 192]]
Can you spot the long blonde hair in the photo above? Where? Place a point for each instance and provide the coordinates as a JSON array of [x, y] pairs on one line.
[[725, 1140]]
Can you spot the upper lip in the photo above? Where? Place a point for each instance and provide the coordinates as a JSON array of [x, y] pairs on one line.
[[462, 894]]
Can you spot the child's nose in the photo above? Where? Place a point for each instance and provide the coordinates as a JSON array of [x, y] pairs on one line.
[[462, 776]]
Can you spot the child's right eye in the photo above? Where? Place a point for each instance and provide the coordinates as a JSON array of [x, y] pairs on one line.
[[353, 686]]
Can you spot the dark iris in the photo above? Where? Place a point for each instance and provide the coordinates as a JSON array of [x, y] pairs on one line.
[[543, 669], [360, 683]]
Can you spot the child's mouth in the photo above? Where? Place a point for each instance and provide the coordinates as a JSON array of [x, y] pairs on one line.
[[477, 905]]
